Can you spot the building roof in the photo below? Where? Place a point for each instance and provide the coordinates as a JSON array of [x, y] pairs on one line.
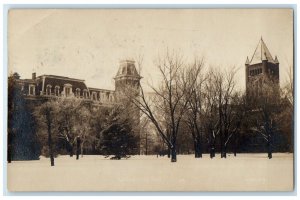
[[261, 53], [61, 81], [127, 68]]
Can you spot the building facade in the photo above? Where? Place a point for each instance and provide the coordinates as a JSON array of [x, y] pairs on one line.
[[45, 86], [261, 70]]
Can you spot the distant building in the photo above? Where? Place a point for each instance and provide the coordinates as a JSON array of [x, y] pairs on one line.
[[40, 89], [44, 87], [261, 70]]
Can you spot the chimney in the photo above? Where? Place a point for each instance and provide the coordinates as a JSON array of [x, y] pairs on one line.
[[34, 76]]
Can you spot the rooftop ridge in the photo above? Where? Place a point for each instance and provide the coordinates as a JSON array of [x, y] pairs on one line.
[[261, 53]]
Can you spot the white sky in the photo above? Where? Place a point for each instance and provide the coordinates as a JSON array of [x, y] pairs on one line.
[[88, 44]]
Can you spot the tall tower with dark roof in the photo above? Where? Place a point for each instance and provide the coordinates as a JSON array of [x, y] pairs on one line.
[[261, 69], [127, 76], [128, 80]]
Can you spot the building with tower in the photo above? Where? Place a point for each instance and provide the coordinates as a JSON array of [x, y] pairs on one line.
[[43, 87], [40, 89], [261, 70]]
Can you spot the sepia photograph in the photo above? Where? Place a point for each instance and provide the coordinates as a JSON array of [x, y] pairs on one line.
[[150, 100]]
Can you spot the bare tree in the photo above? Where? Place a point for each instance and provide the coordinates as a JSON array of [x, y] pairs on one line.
[[166, 107], [194, 108], [83, 128], [225, 85], [210, 111]]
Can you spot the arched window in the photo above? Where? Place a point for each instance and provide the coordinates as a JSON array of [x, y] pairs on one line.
[[48, 90], [94, 96], [56, 90], [85, 93], [68, 90], [77, 92]]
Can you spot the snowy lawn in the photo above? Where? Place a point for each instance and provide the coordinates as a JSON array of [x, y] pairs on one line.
[[246, 172]]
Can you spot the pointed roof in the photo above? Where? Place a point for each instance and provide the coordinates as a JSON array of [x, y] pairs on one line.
[[247, 61], [127, 68], [276, 60], [261, 53]]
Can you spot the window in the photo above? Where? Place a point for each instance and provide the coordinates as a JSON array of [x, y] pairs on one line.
[[77, 92], [68, 90], [48, 90], [31, 89], [56, 90], [107, 96], [94, 96], [254, 72], [85, 93]]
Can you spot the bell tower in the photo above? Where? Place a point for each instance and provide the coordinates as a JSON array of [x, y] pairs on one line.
[[260, 70], [128, 80], [127, 76]]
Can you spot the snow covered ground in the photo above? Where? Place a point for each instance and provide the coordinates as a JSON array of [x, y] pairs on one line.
[[246, 172]]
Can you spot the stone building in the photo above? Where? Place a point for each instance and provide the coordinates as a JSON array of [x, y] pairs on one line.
[[45, 86], [261, 70]]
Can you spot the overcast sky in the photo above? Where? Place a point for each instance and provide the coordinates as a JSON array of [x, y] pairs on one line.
[[88, 44]]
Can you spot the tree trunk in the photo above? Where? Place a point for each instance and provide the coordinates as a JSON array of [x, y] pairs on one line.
[[78, 142], [222, 145], [146, 144], [269, 147], [200, 145], [197, 144], [212, 148], [212, 151], [195, 147], [50, 144], [81, 147], [71, 150], [225, 151], [235, 145], [173, 154], [169, 152]]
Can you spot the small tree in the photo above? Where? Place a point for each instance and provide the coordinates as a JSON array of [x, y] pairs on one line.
[[118, 138]]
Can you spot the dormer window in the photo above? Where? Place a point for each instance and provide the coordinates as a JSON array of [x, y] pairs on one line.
[[68, 90], [56, 90], [94, 96], [77, 92], [31, 90], [85, 93], [48, 90]]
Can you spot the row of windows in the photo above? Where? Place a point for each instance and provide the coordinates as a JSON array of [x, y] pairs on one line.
[[254, 72], [106, 96], [67, 91]]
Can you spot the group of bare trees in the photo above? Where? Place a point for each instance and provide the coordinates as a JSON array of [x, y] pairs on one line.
[[208, 102]]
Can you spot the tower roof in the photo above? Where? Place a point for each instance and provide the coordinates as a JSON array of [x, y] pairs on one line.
[[261, 53], [127, 68]]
